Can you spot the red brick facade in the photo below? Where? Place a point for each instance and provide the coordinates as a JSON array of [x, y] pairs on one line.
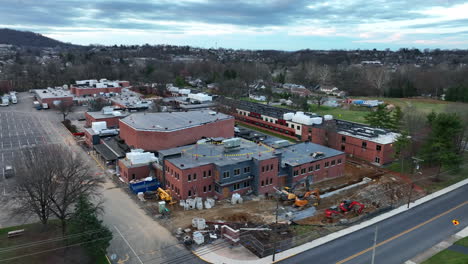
[[50, 101], [268, 175], [133, 173], [321, 170], [159, 140], [191, 182], [80, 91], [111, 121]]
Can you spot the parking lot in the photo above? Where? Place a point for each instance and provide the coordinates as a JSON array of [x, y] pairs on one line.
[[20, 127]]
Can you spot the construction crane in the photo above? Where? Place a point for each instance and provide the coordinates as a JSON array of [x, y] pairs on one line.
[[165, 195]]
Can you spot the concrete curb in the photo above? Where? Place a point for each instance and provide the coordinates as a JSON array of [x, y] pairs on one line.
[[214, 258], [438, 248]]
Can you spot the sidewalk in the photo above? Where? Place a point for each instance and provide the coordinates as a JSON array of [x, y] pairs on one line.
[[226, 256], [446, 244]]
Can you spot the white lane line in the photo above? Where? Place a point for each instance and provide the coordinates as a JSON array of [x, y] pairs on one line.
[[128, 244]]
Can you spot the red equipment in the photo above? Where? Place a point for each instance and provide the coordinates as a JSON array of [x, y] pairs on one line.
[[346, 206]]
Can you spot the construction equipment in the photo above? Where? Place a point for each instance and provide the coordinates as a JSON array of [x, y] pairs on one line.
[[344, 207], [165, 195], [301, 201]]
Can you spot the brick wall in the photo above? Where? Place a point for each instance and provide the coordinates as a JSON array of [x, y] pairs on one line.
[[155, 141], [90, 91], [323, 172], [111, 121], [50, 101], [133, 173], [268, 175]]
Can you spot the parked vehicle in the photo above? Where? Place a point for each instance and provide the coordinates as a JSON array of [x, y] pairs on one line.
[[5, 100], [45, 106], [9, 172]]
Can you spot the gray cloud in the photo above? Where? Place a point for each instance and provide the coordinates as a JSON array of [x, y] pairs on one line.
[[115, 14]]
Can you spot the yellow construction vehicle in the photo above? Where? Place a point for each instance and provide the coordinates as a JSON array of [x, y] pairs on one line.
[[165, 195], [304, 200]]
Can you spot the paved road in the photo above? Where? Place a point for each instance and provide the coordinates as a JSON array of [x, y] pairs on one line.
[[401, 237]]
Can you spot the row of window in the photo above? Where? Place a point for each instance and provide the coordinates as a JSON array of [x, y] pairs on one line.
[[239, 186], [317, 167], [193, 177], [266, 182], [227, 174], [280, 130], [267, 168], [363, 144]]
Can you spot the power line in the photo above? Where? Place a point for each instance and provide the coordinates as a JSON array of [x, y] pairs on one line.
[[42, 242], [49, 250]]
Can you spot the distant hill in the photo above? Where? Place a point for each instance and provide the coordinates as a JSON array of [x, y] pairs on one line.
[[27, 38]]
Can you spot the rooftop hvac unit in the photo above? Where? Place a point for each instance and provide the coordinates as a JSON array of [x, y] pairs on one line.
[[98, 126], [232, 143], [280, 143], [328, 117], [317, 154]]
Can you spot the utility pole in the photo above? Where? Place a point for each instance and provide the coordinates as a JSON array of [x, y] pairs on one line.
[[413, 172], [276, 222], [375, 244]]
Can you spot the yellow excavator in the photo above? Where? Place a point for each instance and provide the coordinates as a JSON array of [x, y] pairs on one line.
[[165, 195], [288, 194]]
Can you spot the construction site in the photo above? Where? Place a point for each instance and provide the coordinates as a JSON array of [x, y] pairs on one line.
[[287, 218]]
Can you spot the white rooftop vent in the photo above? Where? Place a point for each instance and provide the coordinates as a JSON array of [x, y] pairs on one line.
[[212, 112], [98, 126], [328, 117]]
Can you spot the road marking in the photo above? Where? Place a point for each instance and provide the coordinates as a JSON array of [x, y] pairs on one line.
[[401, 234], [128, 244]]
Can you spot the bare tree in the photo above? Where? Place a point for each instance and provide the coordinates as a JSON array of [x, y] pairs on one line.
[[51, 180], [64, 108], [319, 98], [35, 172], [377, 77]]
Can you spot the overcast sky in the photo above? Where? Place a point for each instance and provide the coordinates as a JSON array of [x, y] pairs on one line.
[[250, 24]]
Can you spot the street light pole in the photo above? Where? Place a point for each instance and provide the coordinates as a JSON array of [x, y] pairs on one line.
[[375, 244], [413, 172]]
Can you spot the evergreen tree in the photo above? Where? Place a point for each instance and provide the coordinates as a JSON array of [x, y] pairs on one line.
[[440, 148], [93, 234], [380, 117]]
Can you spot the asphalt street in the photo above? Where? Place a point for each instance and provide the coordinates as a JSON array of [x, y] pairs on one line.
[[399, 238]]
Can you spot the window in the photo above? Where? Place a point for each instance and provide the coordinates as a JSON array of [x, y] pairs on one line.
[[236, 172], [189, 193], [246, 184], [327, 164], [339, 161], [133, 176], [292, 126], [189, 177], [311, 168], [296, 172], [271, 166], [377, 160], [303, 171], [378, 148], [225, 174], [194, 176], [236, 186], [271, 180], [343, 148], [204, 189], [263, 168], [317, 167], [263, 183], [209, 188], [246, 169], [343, 139], [216, 188], [267, 168], [204, 174], [209, 173], [333, 162], [364, 145]]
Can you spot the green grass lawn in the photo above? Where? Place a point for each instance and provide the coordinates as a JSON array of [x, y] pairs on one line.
[[357, 116], [447, 257], [462, 242]]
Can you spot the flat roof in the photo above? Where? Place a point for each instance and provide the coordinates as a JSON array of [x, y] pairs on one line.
[[171, 121], [207, 153], [361, 131], [301, 153], [52, 93], [100, 114]]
